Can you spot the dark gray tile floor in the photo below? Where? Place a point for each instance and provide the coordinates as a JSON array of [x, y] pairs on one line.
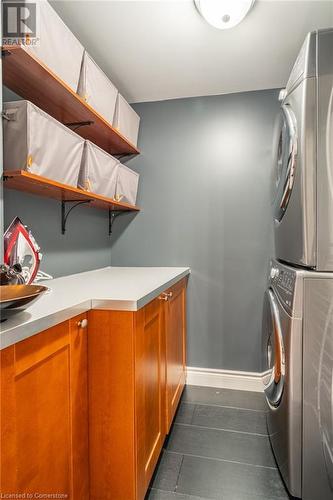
[[218, 448]]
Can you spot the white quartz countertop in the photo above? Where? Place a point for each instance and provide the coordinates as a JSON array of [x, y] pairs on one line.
[[110, 288]]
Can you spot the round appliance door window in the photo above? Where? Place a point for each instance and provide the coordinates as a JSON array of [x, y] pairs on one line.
[[285, 161], [273, 351]]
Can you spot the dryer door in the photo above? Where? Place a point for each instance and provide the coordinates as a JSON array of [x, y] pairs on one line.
[[286, 161], [294, 206], [273, 351]]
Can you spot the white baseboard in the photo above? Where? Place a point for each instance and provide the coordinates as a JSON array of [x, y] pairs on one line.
[[225, 379]]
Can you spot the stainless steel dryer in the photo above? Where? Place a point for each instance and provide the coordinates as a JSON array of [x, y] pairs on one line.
[[297, 351], [303, 205]]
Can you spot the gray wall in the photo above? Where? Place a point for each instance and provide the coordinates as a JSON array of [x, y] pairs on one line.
[[86, 244], [205, 192]]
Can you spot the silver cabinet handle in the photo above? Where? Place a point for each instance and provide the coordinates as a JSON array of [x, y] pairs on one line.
[[165, 296], [83, 323]]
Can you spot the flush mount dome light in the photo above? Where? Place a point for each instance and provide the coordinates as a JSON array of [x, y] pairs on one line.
[[223, 14]]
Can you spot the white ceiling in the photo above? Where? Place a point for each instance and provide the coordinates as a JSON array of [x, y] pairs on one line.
[[162, 49]]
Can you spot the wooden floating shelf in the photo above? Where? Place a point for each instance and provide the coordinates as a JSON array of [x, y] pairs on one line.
[[41, 186], [31, 79]]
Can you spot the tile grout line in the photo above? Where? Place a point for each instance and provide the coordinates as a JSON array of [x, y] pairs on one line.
[[195, 496], [192, 417], [180, 468], [222, 429], [274, 497], [196, 403], [220, 460]]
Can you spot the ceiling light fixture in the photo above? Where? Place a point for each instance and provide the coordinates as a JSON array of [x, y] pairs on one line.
[[223, 14]]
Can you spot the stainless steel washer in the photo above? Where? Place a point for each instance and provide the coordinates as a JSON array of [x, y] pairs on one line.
[[282, 367], [303, 205], [298, 377]]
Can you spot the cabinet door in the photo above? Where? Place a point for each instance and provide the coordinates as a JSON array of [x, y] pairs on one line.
[[149, 387], [44, 414], [111, 405], [175, 342], [79, 408]]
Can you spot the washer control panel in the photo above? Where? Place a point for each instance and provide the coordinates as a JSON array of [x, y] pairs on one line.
[[283, 281]]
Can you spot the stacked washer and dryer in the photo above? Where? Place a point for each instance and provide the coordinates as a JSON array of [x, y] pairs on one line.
[[298, 305]]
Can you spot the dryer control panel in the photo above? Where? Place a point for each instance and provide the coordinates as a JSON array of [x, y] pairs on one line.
[[283, 281]]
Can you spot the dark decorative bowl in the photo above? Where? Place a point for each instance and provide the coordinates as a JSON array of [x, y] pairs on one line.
[[19, 297]]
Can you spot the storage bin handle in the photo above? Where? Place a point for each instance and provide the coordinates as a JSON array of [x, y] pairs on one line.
[[9, 116]]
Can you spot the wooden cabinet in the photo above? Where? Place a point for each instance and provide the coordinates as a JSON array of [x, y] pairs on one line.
[[126, 400], [149, 392], [175, 347], [136, 377], [44, 424], [112, 437], [129, 366]]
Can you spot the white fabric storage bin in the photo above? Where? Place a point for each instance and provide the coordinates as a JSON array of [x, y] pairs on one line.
[[126, 120], [96, 89], [58, 48], [98, 173], [127, 184], [36, 142]]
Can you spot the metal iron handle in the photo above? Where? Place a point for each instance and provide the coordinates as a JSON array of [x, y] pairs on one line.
[[83, 323]]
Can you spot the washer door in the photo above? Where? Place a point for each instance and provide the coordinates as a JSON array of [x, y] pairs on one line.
[[286, 161], [273, 351]]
